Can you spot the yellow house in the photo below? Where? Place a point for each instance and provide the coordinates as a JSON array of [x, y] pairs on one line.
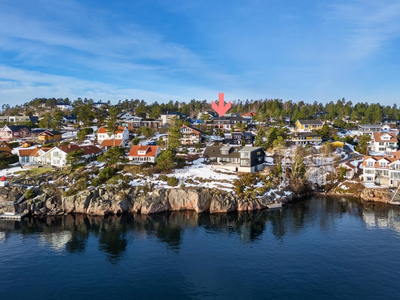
[[49, 136], [308, 125], [306, 138]]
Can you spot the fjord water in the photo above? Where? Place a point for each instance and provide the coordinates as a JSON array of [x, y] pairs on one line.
[[318, 248]]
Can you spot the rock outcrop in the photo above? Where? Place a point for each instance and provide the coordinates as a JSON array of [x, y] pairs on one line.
[[112, 200], [376, 195]]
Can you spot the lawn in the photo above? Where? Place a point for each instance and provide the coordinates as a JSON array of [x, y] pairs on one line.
[[37, 171]]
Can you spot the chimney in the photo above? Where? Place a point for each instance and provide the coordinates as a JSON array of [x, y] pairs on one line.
[[69, 146]]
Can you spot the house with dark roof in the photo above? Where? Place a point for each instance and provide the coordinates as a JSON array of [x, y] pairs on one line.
[[142, 154], [245, 159], [49, 136], [238, 138], [308, 125], [71, 119], [229, 123], [9, 132], [306, 138], [190, 135], [166, 117]]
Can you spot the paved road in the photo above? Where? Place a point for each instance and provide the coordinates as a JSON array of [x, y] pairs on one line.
[[352, 155]]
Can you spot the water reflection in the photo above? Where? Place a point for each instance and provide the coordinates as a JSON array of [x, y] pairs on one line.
[[113, 233]]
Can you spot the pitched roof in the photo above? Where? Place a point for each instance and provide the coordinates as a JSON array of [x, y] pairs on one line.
[[396, 154], [3, 178], [33, 151], [102, 129], [250, 114], [16, 128], [215, 151], [311, 122], [377, 159], [151, 150], [191, 127], [69, 148], [377, 137], [50, 133], [111, 142], [91, 149]]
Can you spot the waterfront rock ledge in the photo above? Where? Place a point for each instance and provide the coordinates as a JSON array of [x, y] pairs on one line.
[[110, 200]]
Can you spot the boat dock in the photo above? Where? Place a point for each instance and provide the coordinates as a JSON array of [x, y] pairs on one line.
[[12, 216], [274, 205]]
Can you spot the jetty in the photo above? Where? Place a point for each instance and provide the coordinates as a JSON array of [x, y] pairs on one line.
[[12, 216], [274, 206]]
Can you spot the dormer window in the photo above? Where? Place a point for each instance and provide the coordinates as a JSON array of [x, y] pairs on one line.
[[370, 163], [383, 164]]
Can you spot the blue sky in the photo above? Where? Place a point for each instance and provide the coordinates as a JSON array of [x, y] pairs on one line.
[[160, 50]]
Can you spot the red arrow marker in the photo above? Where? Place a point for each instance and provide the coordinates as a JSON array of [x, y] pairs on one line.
[[221, 109]]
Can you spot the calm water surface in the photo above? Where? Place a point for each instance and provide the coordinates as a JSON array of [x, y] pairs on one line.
[[319, 248]]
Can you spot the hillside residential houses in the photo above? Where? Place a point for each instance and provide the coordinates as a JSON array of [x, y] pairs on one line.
[[166, 117], [246, 159], [5, 147], [383, 142], [49, 136], [9, 132], [308, 125], [190, 135], [237, 138], [383, 170], [141, 154], [121, 133], [306, 138]]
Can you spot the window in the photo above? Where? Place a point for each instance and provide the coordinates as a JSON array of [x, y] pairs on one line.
[[370, 164]]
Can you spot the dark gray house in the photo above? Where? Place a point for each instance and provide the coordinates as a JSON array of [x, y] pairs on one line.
[[236, 138], [246, 159]]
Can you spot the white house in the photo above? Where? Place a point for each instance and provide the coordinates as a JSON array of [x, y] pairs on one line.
[[142, 154], [383, 142], [121, 133], [381, 170]]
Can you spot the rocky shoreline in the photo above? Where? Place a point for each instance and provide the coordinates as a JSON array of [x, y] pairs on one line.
[[112, 200]]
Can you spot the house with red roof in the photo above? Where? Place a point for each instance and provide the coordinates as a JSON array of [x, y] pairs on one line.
[[141, 154], [382, 170], [57, 156], [107, 144], [383, 142], [32, 156], [121, 133], [350, 169]]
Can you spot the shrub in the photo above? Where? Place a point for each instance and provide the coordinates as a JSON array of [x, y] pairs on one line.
[[29, 194], [173, 181], [106, 173]]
